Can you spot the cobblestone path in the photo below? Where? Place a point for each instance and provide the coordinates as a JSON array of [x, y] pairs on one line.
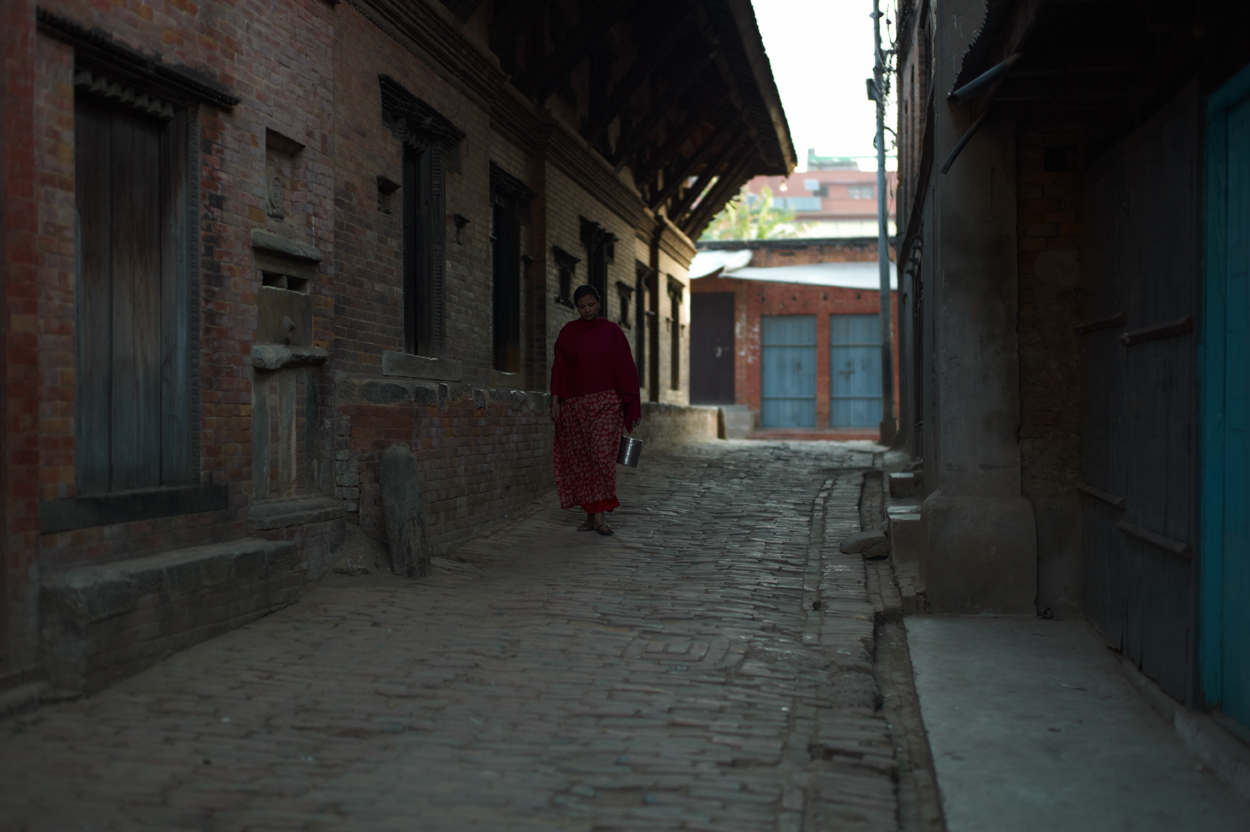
[[708, 668]]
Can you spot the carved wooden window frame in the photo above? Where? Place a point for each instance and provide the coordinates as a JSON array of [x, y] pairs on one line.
[[124, 77], [435, 142], [510, 208]]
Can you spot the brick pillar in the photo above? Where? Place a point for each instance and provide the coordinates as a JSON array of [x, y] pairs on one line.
[[982, 541], [19, 372]]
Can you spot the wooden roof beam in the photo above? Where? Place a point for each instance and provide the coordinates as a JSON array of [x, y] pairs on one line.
[[678, 137], [719, 196], [673, 179], [628, 144], [722, 63], [540, 81], [638, 73], [511, 21], [705, 178]]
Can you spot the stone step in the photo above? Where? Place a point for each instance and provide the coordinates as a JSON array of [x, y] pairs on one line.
[[103, 622], [737, 421], [902, 484]]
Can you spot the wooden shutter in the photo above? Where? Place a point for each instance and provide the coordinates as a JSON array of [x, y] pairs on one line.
[[132, 425]]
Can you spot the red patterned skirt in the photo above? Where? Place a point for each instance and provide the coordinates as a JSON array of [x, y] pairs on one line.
[[588, 437]]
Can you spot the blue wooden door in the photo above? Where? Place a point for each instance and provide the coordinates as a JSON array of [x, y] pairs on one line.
[[788, 371], [855, 371], [1236, 555]]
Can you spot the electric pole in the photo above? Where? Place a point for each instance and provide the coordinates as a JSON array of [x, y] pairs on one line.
[[888, 424]]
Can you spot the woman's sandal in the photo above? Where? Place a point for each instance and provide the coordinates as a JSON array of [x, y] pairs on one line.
[[604, 529], [588, 526]]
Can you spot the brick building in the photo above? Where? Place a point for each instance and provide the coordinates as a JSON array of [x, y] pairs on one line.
[[827, 292], [1072, 220], [830, 201], [249, 245]]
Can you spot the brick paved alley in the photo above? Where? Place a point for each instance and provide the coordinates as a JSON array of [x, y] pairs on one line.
[[675, 676]]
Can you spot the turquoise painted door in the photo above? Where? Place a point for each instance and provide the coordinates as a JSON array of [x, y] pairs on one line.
[[855, 371], [1236, 580], [788, 371]]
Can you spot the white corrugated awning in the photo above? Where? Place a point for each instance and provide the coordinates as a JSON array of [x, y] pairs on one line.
[[846, 275], [708, 262]]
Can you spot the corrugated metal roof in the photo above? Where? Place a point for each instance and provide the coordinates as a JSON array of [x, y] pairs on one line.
[[860, 275]]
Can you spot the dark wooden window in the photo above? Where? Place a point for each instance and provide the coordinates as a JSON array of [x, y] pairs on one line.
[[510, 201], [419, 229], [431, 148], [566, 274], [600, 251], [506, 279], [624, 292], [642, 275], [133, 421], [675, 293]]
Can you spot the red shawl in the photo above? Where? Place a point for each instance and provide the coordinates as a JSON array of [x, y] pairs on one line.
[[593, 356]]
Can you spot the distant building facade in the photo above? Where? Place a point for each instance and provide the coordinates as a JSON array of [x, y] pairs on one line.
[[791, 330], [832, 199]]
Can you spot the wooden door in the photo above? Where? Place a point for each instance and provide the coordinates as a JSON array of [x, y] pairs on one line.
[[132, 419], [855, 371], [712, 348], [1139, 273], [788, 371], [1236, 549]]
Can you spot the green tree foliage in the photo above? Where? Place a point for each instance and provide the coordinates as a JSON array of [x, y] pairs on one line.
[[753, 217]]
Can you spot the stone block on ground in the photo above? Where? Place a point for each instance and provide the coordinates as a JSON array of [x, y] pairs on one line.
[[403, 512], [907, 538], [871, 544], [738, 421], [902, 484]]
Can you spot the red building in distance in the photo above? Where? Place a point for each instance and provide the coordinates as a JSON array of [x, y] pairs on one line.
[[789, 329], [833, 198]]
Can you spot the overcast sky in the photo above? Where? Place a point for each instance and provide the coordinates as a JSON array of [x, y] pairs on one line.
[[821, 52]]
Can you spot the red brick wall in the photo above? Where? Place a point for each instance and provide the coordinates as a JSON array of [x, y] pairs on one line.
[[803, 252], [756, 298], [288, 90], [480, 452], [20, 395], [54, 324]]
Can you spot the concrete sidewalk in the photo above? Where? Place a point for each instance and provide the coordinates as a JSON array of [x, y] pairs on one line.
[[708, 668], [1033, 726]]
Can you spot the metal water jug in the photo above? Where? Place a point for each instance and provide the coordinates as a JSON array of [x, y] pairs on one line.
[[630, 451]]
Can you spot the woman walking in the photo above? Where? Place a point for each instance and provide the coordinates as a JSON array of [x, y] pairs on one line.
[[594, 394]]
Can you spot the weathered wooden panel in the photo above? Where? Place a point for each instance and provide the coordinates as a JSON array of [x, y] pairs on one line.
[[712, 348], [1138, 408], [788, 371], [422, 209], [93, 293], [135, 162], [855, 371], [133, 419], [175, 380], [1235, 558]]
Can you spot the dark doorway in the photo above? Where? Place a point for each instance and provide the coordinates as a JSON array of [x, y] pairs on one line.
[[712, 348]]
